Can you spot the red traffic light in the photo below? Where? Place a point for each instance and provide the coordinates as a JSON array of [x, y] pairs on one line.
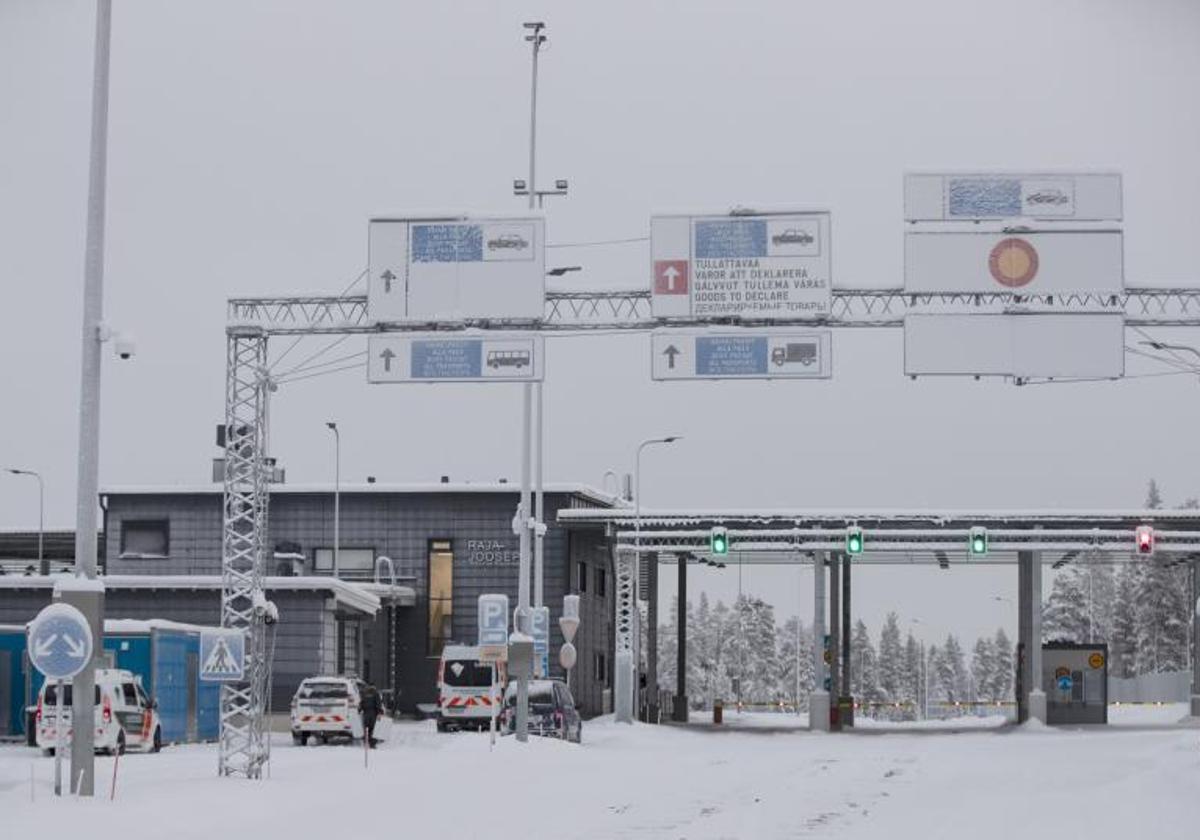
[[1145, 539]]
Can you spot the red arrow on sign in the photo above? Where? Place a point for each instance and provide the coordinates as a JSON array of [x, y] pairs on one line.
[[670, 277]]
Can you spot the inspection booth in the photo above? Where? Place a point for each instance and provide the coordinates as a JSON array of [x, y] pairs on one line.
[[1075, 679]]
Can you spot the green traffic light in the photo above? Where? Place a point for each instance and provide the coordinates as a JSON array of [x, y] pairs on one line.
[[719, 541], [978, 546], [854, 542]]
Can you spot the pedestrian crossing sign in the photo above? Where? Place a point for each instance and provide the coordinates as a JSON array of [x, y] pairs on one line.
[[222, 655]]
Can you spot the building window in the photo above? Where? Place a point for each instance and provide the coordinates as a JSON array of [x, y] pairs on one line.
[[352, 562], [581, 576], [145, 538], [441, 595], [601, 582], [600, 673]]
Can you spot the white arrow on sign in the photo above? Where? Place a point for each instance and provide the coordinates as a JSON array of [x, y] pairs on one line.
[[75, 648], [44, 647], [671, 273]]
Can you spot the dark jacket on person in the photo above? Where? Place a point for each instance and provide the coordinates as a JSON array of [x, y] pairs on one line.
[[371, 704]]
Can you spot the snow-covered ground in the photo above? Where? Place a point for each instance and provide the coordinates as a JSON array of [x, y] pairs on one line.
[[752, 780]]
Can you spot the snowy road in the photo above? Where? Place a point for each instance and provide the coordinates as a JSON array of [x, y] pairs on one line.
[[652, 782]]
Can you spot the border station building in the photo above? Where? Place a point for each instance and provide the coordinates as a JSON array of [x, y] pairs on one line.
[[448, 544]]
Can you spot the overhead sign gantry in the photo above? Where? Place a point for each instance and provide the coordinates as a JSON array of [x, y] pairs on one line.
[[739, 295]]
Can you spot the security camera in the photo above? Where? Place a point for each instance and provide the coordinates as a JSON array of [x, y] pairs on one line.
[[125, 346]]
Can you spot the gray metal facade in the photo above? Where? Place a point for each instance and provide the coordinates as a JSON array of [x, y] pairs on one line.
[[402, 525]]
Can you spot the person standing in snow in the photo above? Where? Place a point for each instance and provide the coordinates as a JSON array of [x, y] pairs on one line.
[[371, 706]]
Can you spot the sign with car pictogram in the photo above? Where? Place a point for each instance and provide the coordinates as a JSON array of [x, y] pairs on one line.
[[763, 353], [752, 265], [455, 268], [1053, 196]]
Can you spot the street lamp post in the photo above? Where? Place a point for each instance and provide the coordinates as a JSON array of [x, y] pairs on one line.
[[629, 688], [637, 485], [337, 494], [43, 566]]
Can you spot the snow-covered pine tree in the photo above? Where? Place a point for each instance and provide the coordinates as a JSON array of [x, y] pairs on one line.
[[892, 664], [668, 645], [1065, 614], [1123, 643], [789, 656], [983, 669], [1003, 675], [864, 674], [911, 688], [934, 689], [760, 679], [954, 671]]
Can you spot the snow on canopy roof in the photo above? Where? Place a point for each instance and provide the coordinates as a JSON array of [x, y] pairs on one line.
[[688, 516], [599, 497], [352, 595], [140, 625]]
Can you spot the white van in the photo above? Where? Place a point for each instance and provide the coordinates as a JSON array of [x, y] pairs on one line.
[[125, 716], [327, 707], [466, 697]]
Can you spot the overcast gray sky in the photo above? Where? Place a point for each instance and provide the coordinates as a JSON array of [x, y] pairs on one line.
[[250, 142]]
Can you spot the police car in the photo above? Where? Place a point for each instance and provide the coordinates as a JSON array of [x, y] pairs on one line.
[[125, 715], [327, 707]]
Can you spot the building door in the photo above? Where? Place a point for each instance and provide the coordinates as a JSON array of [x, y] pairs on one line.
[[6, 692], [193, 694]]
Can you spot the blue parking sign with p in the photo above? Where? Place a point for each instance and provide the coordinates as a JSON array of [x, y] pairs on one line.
[[493, 620]]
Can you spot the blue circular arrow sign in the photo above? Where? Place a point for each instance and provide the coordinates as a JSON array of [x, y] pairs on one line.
[[60, 642]]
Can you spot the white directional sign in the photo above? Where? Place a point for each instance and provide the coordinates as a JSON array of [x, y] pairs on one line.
[[750, 265], [1025, 345], [766, 353], [60, 642], [1025, 262], [222, 655], [465, 357], [1059, 196], [456, 268]]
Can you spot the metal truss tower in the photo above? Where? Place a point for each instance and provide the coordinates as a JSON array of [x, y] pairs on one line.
[[243, 747]]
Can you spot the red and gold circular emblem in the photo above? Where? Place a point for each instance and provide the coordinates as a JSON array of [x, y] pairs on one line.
[[1013, 262]]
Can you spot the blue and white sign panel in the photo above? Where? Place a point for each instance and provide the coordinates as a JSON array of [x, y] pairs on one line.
[[1061, 196], [540, 626], [466, 357], [767, 353], [60, 642], [767, 266], [452, 269], [223, 655], [493, 620]]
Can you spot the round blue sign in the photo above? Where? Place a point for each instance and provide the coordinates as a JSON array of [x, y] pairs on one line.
[[1064, 683], [60, 642]]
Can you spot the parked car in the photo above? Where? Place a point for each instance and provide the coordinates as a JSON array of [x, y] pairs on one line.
[[466, 697], [552, 711], [327, 707], [125, 715]]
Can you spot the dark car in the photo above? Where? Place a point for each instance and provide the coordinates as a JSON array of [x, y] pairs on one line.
[[508, 240], [792, 236], [1047, 197], [552, 711]]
